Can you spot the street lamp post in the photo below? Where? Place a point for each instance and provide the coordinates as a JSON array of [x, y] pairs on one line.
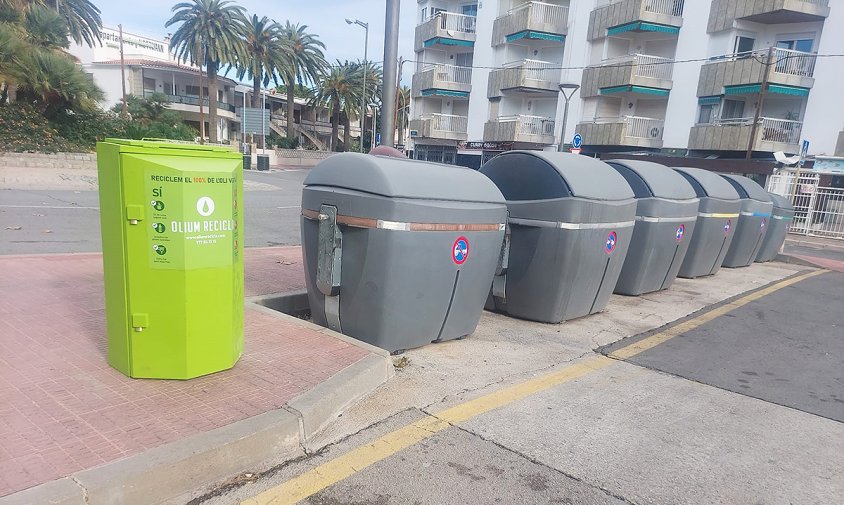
[[374, 122], [563, 88], [362, 98]]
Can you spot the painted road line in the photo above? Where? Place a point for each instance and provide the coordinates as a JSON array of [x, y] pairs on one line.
[[47, 207], [346, 465], [688, 325]]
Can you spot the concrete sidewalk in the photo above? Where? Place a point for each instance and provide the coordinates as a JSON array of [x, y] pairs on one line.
[[65, 413]]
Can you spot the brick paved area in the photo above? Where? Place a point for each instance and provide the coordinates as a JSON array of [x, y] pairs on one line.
[[63, 409]]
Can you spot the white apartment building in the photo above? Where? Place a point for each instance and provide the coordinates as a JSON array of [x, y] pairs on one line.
[[674, 76]]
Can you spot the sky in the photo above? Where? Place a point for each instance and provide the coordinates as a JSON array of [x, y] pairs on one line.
[[323, 17]]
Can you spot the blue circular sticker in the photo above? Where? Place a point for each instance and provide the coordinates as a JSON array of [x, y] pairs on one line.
[[727, 226], [460, 250], [612, 240], [681, 232]]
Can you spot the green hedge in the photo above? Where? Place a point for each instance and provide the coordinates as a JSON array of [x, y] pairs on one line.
[[23, 129]]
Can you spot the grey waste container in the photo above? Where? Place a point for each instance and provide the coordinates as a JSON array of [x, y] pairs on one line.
[[716, 220], [571, 218], [781, 218], [752, 225], [666, 213], [263, 162], [399, 253]]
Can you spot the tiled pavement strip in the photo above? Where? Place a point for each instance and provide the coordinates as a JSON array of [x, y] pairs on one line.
[[63, 409]]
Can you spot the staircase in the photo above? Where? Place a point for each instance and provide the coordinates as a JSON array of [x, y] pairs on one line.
[[279, 126]]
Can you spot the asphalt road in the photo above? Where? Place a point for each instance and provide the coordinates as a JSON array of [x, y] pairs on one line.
[[51, 221], [743, 408]]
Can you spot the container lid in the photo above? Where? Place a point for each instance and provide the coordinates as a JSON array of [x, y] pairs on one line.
[[781, 202], [169, 144], [708, 183], [652, 180], [403, 178], [747, 188], [540, 175]]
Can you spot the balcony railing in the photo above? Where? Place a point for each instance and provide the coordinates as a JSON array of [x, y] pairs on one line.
[[796, 63], [530, 125], [450, 73], [447, 123], [669, 7], [191, 100], [454, 22], [637, 127], [654, 67], [539, 13], [537, 70], [784, 131]]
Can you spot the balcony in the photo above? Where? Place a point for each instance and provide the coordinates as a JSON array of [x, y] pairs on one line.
[[532, 21], [623, 131], [665, 16], [193, 101], [636, 73], [772, 135], [442, 80], [792, 73], [773, 12], [446, 29], [440, 126], [526, 76], [520, 128]]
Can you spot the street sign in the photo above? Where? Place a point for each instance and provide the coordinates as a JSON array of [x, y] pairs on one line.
[[378, 138], [252, 121], [576, 150], [805, 151], [577, 141]]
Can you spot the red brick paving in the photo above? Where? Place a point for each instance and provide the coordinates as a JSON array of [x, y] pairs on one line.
[[63, 409]]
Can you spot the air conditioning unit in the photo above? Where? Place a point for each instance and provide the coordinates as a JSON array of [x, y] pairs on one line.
[[655, 132], [414, 133]]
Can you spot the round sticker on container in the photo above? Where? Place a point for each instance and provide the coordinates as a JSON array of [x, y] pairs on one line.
[[612, 239], [681, 232], [460, 250], [727, 226]]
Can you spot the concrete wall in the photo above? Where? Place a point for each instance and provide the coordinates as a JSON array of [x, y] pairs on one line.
[[724, 12], [58, 160]]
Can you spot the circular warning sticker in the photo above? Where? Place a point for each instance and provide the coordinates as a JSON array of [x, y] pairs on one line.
[[727, 226], [460, 250], [612, 239], [681, 232]]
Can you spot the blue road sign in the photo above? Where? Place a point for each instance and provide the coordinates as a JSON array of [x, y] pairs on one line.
[[577, 141], [377, 138]]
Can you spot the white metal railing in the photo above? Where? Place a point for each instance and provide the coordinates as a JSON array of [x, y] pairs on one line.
[[454, 22], [530, 125], [543, 12], [781, 130], [818, 211], [655, 67], [537, 70], [450, 73], [824, 3], [669, 7], [796, 63], [449, 123]]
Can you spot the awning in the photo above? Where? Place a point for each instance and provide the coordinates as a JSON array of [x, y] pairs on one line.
[[642, 26], [743, 89], [445, 41], [445, 92], [782, 89], [709, 100], [635, 89], [534, 35]]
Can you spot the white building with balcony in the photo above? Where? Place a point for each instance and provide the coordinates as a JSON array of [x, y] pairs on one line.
[[707, 78]]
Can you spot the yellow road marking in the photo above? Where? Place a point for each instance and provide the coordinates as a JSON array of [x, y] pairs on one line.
[[346, 465], [688, 325]]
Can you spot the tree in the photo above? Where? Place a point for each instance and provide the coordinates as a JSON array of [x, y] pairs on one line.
[[332, 91], [403, 110], [83, 19], [263, 47], [302, 62], [46, 28], [352, 101], [210, 34]]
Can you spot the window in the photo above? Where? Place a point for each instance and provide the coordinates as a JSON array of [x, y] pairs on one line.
[[733, 109], [194, 91], [744, 46], [463, 59], [803, 45], [149, 85], [424, 13], [707, 114], [470, 10]]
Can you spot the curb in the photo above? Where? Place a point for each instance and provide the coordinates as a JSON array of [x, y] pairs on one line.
[[794, 260], [257, 443]]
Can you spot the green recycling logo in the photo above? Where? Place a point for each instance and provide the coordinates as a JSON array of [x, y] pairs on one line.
[[205, 206], [157, 205], [158, 227], [159, 249]]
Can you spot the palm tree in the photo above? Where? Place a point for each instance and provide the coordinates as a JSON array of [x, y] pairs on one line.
[[403, 110], [263, 47], [352, 100], [210, 34], [333, 90], [302, 62], [83, 19], [57, 83], [46, 28]]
